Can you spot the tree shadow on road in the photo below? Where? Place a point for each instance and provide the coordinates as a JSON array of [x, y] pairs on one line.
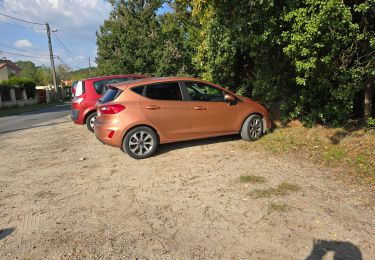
[[31, 127], [165, 148], [6, 232], [341, 250]]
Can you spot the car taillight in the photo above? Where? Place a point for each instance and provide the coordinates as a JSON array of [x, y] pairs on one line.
[[111, 109]]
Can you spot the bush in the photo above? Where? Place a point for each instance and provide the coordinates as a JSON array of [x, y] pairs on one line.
[[371, 122], [22, 83]]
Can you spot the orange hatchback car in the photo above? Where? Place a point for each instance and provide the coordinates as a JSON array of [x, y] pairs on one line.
[[139, 115]]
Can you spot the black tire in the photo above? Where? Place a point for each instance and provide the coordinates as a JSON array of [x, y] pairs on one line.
[[89, 121], [252, 128], [140, 142]]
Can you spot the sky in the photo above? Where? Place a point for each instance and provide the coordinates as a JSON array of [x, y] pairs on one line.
[[76, 22]]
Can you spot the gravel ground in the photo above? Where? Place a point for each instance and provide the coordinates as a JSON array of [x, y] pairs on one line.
[[64, 195]]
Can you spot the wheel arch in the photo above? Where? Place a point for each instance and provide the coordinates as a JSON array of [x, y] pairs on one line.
[[89, 112], [255, 113], [140, 125]]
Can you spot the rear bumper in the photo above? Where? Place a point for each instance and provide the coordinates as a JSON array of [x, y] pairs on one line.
[[74, 115], [103, 132]]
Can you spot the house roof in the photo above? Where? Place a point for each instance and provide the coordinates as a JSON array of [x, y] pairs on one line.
[[9, 63]]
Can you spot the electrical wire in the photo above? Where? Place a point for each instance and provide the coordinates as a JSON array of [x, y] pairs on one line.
[[63, 62], [16, 49], [22, 55], [11, 17], [63, 46], [66, 49], [21, 26]]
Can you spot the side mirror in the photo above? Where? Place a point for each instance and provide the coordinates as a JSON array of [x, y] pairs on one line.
[[229, 98]]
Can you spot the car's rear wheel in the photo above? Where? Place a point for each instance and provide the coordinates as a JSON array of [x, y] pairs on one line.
[[90, 121], [140, 142], [252, 128]]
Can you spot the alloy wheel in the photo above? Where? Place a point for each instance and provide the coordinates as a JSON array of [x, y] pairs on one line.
[[255, 128], [141, 143]]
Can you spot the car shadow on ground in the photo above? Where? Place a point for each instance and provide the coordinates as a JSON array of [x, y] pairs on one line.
[[6, 232], [340, 250], [165, 148]]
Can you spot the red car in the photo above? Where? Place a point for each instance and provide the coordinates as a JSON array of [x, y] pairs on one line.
[[88, 91]]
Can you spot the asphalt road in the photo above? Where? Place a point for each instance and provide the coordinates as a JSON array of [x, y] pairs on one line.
[[33, 119]]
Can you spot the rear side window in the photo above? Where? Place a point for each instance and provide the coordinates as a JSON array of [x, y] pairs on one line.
[[80, 88], [164, 91], [111, 94], [138, 90], [100, 85]]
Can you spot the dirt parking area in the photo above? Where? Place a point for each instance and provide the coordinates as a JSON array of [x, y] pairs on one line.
[[64, 195]]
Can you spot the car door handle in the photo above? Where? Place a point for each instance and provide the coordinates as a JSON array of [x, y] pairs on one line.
[[200, 108], [153, 107]]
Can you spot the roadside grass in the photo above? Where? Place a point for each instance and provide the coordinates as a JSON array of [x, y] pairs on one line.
[[278, 207], [283, 189], [350, 149], [14, 110], [252, 179]]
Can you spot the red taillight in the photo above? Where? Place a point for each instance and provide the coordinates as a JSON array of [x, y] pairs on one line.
[[112, 109]]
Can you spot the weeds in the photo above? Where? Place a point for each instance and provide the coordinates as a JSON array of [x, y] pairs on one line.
[[283, 189], [278, 207], [349, 148], [252, 179]]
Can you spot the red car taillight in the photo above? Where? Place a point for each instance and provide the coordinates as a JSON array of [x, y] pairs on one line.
[[111, 109]]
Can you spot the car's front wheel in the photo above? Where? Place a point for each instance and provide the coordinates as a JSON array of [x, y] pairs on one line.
[[140, 142], [90, 121], [252, 128]]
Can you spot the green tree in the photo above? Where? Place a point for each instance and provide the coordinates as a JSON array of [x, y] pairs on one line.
[[128, 41]]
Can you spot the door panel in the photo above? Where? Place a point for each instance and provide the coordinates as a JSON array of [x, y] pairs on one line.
[[211, 115], [172, 117], [211, 118]]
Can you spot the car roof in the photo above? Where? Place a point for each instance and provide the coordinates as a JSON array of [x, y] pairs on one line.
[[146, 81], [116, 76]]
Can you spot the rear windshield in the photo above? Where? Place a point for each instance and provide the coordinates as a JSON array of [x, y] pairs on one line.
[[101, 85], [80, 88], [111, 94]]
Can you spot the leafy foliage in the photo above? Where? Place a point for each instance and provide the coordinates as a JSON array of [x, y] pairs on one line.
[[23, 83], [312, 58]]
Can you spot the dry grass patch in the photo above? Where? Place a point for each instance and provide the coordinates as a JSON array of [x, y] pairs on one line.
[[278, 207], [283, 189], [350, 149], [252, 179]]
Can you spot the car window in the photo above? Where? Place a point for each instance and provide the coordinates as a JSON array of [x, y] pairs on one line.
[[164, 91], [204, 92], [110, 95], [138, 90], [80, 88], [101, 85]]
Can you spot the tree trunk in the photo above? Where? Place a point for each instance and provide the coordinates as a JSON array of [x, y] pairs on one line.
[[368, 101]]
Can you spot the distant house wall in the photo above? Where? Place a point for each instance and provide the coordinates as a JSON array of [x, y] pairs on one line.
[[3, 73]]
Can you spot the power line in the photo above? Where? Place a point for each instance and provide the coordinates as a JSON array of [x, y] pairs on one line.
[[21, 26], [16, 49], [61, 61], [63, 46], [11, 17], [66, 49], [22, 55]]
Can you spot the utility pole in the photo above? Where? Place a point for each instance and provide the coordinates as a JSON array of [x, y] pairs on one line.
[[90, 66], [52, 61]]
